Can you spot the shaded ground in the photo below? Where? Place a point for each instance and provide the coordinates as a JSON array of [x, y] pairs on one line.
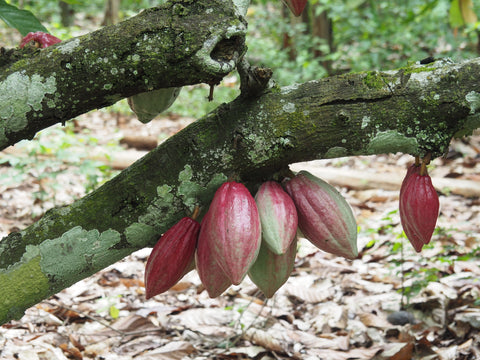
[[330, 308]]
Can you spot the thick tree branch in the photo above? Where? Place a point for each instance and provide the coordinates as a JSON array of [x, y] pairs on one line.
[[414, 110], [179, 43]]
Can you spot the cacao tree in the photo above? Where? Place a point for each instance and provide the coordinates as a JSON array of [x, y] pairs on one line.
[[416, 109]]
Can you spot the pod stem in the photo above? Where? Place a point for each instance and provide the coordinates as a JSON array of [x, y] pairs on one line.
[[195, 213], [425, 162]]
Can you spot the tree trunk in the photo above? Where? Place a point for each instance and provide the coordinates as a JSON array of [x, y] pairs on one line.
[[416, 109], [112, 8], [66, 13]]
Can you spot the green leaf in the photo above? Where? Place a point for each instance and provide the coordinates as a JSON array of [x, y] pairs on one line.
[[22, 20], [114, 312], [456, 18]]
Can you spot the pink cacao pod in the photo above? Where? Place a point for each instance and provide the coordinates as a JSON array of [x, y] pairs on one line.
[[295, 6], [324, 216], [210, 273], [40, 38], [232, 229], [270, 271], [171, 257], [278, 216], [419, 206]]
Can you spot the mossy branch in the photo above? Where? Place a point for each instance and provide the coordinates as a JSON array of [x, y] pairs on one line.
[[176, 44], [414, 110]]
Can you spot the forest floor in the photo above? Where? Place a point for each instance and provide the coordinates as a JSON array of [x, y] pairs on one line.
[[390, 303]]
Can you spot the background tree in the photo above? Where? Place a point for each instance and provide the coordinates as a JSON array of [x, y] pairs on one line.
[[252, 138]]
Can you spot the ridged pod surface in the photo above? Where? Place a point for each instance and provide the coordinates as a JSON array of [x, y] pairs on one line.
[[171, 257], [148, 105], [270, 271], [418, 206], [232, 229], [210, 273], [295, 6], [278, 216], [324, 216]]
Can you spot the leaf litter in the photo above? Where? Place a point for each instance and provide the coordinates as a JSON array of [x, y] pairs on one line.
[[390, 303]]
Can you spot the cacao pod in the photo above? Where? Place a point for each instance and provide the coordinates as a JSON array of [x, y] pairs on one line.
[[296, 6], [40, 39], [278, 216], [270, 271], [148, 105], [232, 229], [324, 216], [418, 207], [171, 257], [210, 273]]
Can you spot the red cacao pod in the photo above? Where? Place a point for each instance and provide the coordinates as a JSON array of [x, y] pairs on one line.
[[295, 6], [171, 257], [270, 271], [324, 216], [232, 229], [278, 216], [40, 38], [210, 273], [419, 206]]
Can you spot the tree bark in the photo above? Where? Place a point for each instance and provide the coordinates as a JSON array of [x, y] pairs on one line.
[[412, 110], [416, 109], [169, 46]]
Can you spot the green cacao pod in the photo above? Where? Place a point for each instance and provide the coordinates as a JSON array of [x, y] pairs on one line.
[[418, 207], [278, 216], [324, 216], [149, 104], [270, 271]]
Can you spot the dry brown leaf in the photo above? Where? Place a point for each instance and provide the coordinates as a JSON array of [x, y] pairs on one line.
[[372, 320], [359, 353], [398, 351], [312, 293], [174, 350], [264, 339]]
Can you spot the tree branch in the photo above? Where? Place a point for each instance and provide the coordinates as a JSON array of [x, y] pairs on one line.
[[176, 44], [414, 110]]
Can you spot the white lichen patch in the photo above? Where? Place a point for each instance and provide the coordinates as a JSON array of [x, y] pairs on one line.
[[78, 252], [241, 7], [473, 100], [67, 47], [365, 121], [20, 94], [138, 235], [289, 108], [288, 89]]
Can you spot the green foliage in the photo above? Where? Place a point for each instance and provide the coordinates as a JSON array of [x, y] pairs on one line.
[[54, 152], [22, 20]]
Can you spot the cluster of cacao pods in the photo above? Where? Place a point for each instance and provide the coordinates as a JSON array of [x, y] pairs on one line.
[[241, 235], [418, 205]]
